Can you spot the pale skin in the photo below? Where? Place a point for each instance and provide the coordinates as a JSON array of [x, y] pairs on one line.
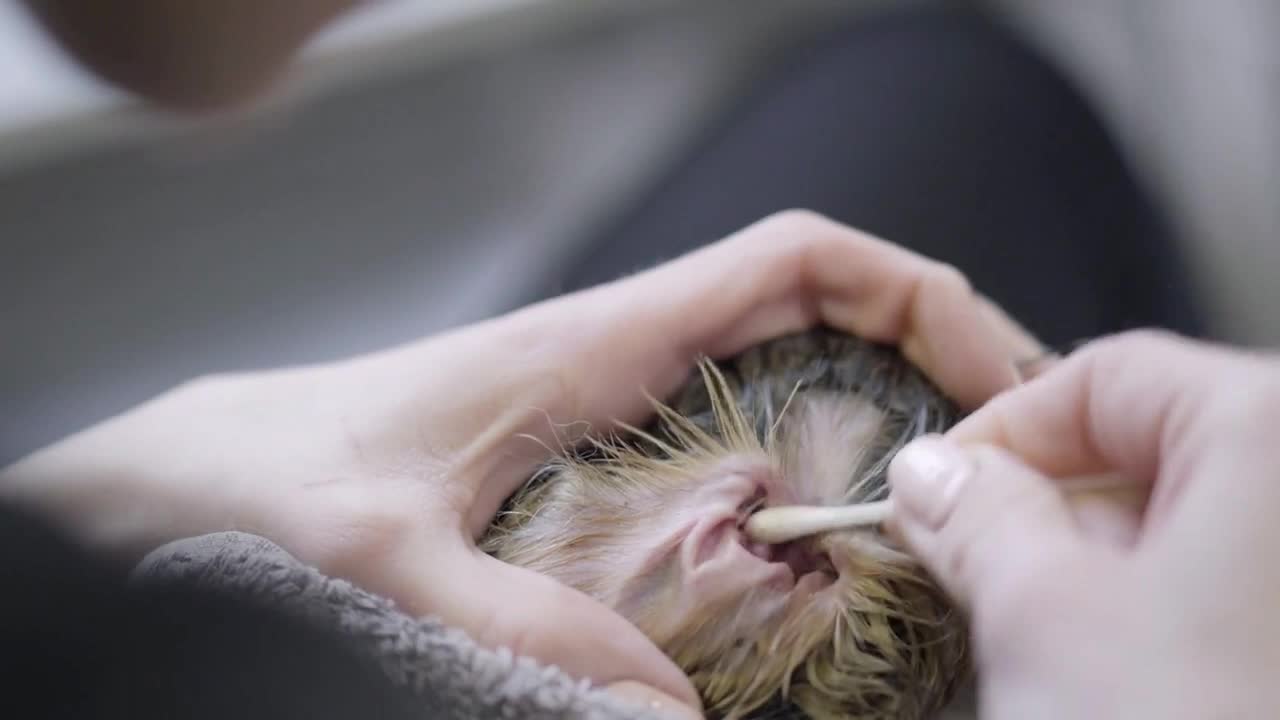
[[383, 468], [1167, 613]]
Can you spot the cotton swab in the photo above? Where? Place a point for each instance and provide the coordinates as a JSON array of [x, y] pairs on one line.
[[785, 523]]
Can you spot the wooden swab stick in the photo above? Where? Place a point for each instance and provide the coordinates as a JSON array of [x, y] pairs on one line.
[[785, 523]]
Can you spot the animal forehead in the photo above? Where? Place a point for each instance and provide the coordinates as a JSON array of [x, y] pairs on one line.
[[767, 378]]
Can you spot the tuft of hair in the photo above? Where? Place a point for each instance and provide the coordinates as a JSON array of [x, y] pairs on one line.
[[881, 643]]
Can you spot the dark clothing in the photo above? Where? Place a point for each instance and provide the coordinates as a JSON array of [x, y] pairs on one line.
[[940, 132]]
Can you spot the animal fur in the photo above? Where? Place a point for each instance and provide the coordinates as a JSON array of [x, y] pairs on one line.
[[824, 412]]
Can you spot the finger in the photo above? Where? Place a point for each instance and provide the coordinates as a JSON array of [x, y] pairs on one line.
[[652, 700], [781, 275], [384, 543], [793, 271], [1142, 403], [1102, 408], [503, 606], [1031, 367], [1117, 404], [985, 525], [588, 359], [1104, 519], [1031, 358], [1020, 342]]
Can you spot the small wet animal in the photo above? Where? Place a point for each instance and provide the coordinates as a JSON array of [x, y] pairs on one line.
[[843, 625]]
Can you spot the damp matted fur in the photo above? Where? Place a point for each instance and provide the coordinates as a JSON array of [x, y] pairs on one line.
[[826, 411]]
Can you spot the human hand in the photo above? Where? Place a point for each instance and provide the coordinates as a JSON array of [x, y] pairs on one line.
[[384, 469], [1109, 610]]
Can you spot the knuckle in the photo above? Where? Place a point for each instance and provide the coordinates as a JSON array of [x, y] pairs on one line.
[[214, 385], [796, 230], [515, 637], [951, 277], [1125, 345], [1252, 396], [799, 219], [491, 627], [529, 630]]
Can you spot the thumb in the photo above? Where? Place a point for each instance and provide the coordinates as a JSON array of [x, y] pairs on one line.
[[504, 606], [982, 522]]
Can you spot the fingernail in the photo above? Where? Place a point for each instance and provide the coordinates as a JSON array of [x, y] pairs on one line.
[[926, 476], [1029, 368]]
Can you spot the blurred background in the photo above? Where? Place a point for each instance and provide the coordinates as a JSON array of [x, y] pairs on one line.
[[433, 162]]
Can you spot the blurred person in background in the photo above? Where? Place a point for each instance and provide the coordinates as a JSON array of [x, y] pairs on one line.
[[932, 129]]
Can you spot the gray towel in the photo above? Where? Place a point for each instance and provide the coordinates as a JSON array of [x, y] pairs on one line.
[[440, 667]]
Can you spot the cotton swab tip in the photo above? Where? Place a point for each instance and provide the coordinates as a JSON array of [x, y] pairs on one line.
[[785, 523]]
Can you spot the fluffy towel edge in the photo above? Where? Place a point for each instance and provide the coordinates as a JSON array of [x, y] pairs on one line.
[[439, 667]]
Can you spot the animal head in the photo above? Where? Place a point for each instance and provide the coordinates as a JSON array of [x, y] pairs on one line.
[[843, 625]]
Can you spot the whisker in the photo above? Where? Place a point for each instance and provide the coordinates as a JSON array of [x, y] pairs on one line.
[[881, 641]]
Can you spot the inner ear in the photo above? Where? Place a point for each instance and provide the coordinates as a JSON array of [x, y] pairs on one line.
[[806, 557], [759, 498]]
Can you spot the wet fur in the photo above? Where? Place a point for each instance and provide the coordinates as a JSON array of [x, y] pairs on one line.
[[884, 643]]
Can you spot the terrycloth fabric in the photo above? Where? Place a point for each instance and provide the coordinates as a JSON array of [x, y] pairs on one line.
[[439, 667]]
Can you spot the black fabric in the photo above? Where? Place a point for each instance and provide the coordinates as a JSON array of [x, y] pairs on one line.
[[77, 642], [938, 131]]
